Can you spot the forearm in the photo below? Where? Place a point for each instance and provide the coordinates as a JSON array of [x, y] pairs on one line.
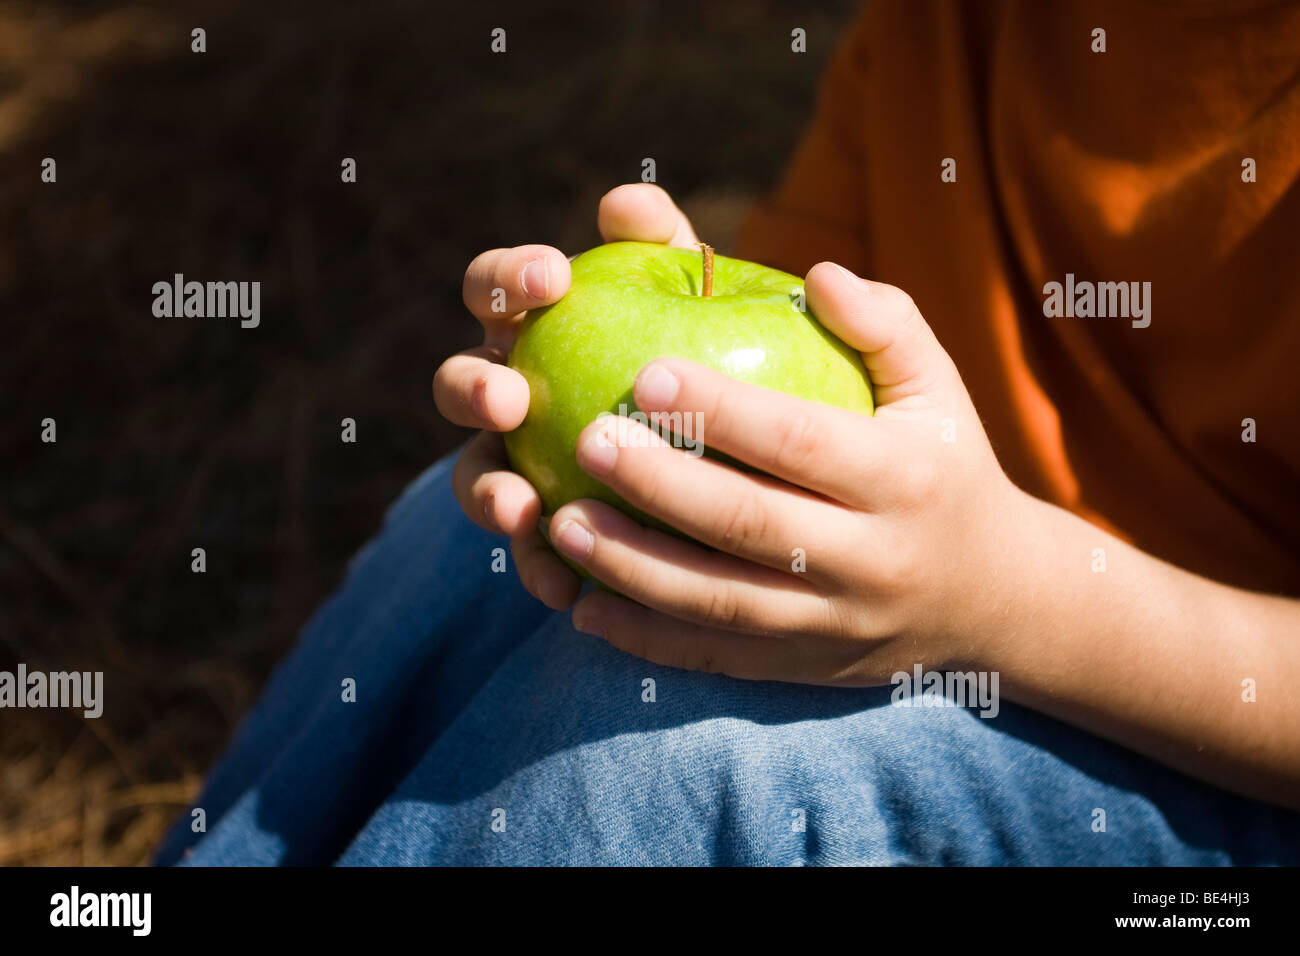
[[1153, 657]]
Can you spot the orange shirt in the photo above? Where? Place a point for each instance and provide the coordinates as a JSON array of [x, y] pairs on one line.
[[1116, 166]]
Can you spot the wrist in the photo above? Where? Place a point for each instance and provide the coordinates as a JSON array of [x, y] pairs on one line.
[[1016, 564], [1062, 584]]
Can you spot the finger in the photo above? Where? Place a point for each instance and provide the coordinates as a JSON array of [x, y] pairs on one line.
[[542, 574], [900, 351], [656, 637], [493, 496], [829, 450], [502, 283], [473, 389], [681, 578], [750, 516], [644, 212]]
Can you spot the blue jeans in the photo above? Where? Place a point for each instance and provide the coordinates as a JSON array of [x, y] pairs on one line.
[[485, 730]]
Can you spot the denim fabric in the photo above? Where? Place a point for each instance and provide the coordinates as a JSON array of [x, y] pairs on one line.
[[487, 731]]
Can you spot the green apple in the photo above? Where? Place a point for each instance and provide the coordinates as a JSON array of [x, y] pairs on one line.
[[632, 302]]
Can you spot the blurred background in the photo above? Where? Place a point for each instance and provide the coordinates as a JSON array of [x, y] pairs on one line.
[[183, 433]]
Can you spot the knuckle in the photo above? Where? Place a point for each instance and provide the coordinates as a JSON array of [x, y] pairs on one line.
[[898, 302], [452, 390], [721, 607], [895, 572], [911, 323], [629, 573], [921, 480], [907, 306], [796, 444], [478, 274], [742, 523], [705, 663], [464, 481], [648, 483], [713, 410], [507, 274]]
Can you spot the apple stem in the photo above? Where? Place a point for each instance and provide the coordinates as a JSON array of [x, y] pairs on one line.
[[706, 289]]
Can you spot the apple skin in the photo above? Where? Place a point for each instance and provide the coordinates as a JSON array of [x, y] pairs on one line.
[[632, 302]]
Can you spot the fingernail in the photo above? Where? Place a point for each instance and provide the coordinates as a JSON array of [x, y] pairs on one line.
[[586, 622], [846, 273], [490, 510], [478, 398], [657, 386], [598, 453], [574, 540], [536, 278]]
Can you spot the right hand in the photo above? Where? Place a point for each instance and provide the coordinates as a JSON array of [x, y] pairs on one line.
[[476, 389]]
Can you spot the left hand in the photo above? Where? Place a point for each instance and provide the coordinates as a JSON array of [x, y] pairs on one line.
[[905, 521]]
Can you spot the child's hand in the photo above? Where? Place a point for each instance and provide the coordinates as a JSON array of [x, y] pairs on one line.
[[476, 388], [900, 550]]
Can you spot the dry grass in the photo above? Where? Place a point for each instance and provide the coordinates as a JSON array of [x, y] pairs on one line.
[[180, 434]]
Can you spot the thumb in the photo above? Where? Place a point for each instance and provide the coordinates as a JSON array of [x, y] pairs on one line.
[[643, 212], [882, 322]]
